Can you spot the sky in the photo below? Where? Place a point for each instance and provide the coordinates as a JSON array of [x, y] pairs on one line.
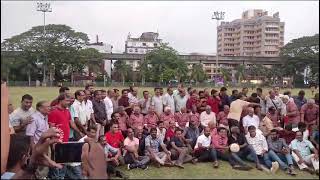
[[186, 25]]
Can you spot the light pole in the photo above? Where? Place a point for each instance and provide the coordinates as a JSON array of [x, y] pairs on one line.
[[44, 7], [217, 16]]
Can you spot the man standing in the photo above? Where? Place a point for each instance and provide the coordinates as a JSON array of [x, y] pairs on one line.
[[236, 108], [234, 95], [280, 152], [157, 101], [35, 129], [99, 110], [300, 100], [21, 117], [262, 101], [145, 103], [62, 90], [133, 98], [124, 101], [276, 102], [109, 105], [90, 88], [180, 100], [115, 99], [302, 153], [224, 98], [292, 112], [192, 101], [245, 91], [80, 115], [168, 99]]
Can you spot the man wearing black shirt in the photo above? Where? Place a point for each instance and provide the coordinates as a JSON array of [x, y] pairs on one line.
[[245, 148]]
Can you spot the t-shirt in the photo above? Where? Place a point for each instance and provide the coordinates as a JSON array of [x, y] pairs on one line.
[[206, 118], [304, 147], [236, 108], [204, 140], [114, 139], [17, 115], [80, 111], [169, 101], [61, 118], [154, 144], [157, 102], [131, 143], [180, 102], [38, 126]]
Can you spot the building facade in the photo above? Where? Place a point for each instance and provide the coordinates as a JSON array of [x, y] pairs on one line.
[[255, 34], [147, 42]]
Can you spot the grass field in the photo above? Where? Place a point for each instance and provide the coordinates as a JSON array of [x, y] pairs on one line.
[[199, 171]]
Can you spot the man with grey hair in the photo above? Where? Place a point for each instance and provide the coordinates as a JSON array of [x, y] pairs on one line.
[[309, 113], [291, 111], [207, 116], [250, 119]]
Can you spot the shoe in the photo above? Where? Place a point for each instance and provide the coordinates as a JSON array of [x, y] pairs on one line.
[[179, 165], [274, 168], [144, 167], [215, 164], [259, 167], [311, 171], [194, 161], [128, 167], [317, 172], [242, 168], [292, 172]]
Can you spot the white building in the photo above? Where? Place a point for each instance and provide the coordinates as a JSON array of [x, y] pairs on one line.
[[147, 42]]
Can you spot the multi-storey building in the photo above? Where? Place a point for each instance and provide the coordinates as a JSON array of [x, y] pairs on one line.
[[141, 45], [255, 34]]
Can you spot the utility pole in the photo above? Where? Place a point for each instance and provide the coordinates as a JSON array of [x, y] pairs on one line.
[[217, 16], [44, 7]]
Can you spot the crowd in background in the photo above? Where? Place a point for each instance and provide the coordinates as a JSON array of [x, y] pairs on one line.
[[183, 125]]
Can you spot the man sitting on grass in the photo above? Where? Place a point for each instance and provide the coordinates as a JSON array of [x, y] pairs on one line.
[[152, 145]]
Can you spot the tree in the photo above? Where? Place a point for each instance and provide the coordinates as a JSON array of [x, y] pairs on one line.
[[60, 44], [240, 74], [123, 69], [197, 73], [160, 62], [299, 54], [226, 74]]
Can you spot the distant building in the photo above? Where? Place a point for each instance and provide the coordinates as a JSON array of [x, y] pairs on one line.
[[255, 34], [147, 42], [102, 48]]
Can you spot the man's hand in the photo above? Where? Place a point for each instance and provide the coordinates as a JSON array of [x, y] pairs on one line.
[[300, 161], [168, 153], [40, 151], [26, 121], [284, 150], [93, 160], [316, 157]]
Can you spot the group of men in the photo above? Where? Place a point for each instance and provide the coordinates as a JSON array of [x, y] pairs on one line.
[[177, 127]]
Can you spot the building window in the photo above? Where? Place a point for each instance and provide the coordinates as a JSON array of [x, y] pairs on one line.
[[130, 50], [144, 44], [136, 50], [155, 45]]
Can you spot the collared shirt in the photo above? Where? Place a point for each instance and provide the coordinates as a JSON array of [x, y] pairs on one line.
[[80, 111], [166, 119], [276, 145], [222, 118], [136, 120], [109, 107], [133, 100], [182, 119], [61, 118], [99, 109], [204, 141], [122, 122], [89, 108], [263, 105], [299, 102], [145, 104], [114, 139], [19, 114], [193, 134], [154, 144], [310, 114], [206, 118], [276, 103], [157, 102], [259, 143], [180, 102], [161, 133], [214, 104], [236, 108], [292, 107], [304, 147], [168, 100], [218, 142], [248, 121], [38, 126], [151, 120]]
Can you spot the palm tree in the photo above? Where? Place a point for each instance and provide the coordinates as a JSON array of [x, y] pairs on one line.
[[123, 69], [226, 73], [197, 73], [240, 72]]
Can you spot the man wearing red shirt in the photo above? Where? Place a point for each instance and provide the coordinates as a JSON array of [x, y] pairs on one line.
[[310, 113], [214, 101], [170, 131], [167, 116], [182, 118], [136, 118], [192, 101], [62, 90], [151, 118], [60, 117], [220, 144], [114, 136], [222, 116]]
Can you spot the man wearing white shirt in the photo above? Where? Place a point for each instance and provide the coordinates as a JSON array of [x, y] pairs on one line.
[[250, 120], [207, 116], [157, 101], [180, 100], [168, 100], [203, 149], [260, 146], [109, 104], [80, 116], [133, 96]]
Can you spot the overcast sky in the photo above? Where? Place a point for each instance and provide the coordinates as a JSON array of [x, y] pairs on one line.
[[186, 26]]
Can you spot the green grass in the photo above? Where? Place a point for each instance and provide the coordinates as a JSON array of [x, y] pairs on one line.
[[201, 170]]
